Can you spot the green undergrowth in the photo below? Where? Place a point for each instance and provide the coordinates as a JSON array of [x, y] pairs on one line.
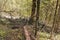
[[43, 36], [46, 36]]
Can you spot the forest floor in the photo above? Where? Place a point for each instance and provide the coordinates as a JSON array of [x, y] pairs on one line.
[[46, 36], [41, 35]]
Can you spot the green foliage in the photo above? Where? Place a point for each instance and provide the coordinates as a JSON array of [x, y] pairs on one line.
[[2, 33], [23, 8]]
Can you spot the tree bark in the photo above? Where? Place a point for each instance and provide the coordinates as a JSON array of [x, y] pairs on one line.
[[37, 16], [33, 11]]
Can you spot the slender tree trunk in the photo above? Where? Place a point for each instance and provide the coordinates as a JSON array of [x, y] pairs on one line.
[[57, 21], [54, 20], [59, 15], [33, 11], [37, 16]]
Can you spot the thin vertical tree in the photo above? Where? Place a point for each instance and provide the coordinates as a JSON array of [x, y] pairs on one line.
[[33, 11], [54, 20], [37, 16], [59, 15]]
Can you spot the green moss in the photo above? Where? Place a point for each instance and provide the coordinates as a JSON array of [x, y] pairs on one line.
[[43, 36], [2, 33]]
